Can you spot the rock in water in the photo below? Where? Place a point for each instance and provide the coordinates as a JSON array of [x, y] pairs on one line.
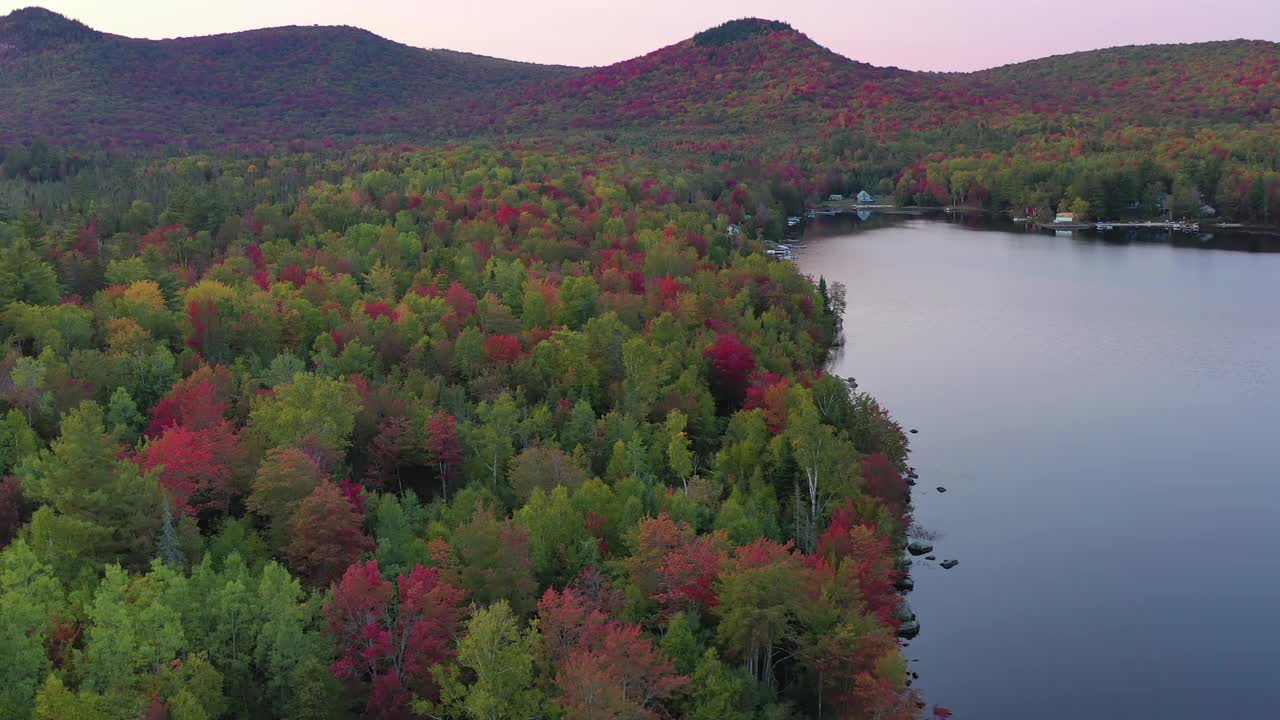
[[941, 489], [909, 629], [948, 564], [906, 584], [914, 431], [930, 557], [919, 548]]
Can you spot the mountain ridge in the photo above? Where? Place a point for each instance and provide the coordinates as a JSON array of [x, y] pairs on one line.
[[749, 80]]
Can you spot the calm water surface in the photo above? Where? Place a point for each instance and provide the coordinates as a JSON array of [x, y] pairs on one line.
[[1106, 421]]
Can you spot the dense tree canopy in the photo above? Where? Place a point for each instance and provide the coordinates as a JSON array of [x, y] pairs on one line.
[[466, 433]]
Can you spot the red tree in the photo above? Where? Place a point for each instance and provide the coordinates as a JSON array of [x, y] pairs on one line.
[[444, 447], [603, 668], [379, 309], [157, 709], [11, 507], [388, 636], [198, 401], [388, 451], [327, 535], [674, 565], [461, 300], [201, 469], [503, 349], [769, 393], [883, 481], [566, 619], [857, 550], [206, 325], [731, 365]]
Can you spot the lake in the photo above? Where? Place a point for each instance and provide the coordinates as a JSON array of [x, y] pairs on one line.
[[1104, 417]]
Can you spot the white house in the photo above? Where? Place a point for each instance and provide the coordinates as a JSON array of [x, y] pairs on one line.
[[835, 198], [864, 196], [1065, 218]]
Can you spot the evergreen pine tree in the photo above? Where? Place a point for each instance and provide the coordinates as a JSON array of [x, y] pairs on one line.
[[168, 547]]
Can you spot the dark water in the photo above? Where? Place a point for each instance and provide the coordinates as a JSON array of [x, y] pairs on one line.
[[1106, 420]]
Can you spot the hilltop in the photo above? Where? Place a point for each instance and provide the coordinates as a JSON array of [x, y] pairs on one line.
[[1114, 129], [744, 81], [65, 81]]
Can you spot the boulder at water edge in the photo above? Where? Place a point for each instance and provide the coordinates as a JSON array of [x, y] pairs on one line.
[[919, 548]]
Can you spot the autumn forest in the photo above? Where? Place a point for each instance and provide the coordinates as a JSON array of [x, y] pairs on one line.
[[417, 384]]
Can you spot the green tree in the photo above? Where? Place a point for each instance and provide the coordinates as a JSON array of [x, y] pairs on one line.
[[495, 561], [97, 508], [578, 296], [762, 599], [133, 633], [559, 542], [679, 457], [823, 461], [26, 387], [544, 468], [123, 417], [56, 702], [681, 644], [17, 440], [397, 522], [289, 651], [168, 545], [29, 598], [490, 439], [308, 409], [25, 277], [501, 659], [718, 692]]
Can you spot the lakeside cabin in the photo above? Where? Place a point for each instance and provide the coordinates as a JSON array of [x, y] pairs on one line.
[[834, 197], [864, 196], [1064, 218]]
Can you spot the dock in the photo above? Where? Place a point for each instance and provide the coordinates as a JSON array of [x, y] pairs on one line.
[[1147, 225]]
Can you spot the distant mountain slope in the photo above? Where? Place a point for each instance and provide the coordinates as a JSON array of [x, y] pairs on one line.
[[746, 82], [755, 76], [63, 80], [1236, 80], [739, 77]]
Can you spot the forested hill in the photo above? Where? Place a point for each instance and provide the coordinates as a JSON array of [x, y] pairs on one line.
[[739, 82], [70, 84], [738, 79], [1103, 133], [1212, 81]]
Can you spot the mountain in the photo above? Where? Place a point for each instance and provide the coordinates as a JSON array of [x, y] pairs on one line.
[[68, 82], [745, 83], [742, 76], [1236, 80], [754, 77]]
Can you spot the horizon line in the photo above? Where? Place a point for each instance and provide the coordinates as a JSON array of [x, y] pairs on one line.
[[176, 38]]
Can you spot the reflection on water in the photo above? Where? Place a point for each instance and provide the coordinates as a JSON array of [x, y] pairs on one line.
[[1211, 239]]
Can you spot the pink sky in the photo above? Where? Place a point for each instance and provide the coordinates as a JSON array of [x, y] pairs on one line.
[[916, 34]]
